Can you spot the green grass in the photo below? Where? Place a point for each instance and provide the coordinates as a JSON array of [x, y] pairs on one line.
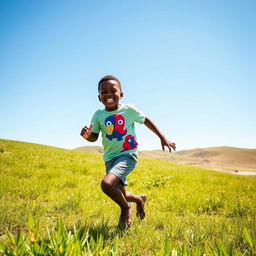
[[51, 204]]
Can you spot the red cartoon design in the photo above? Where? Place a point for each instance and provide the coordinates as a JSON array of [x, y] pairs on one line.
[[129, 143]]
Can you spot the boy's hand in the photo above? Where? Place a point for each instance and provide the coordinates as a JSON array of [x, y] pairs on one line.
[[86, 131], [170, 145]]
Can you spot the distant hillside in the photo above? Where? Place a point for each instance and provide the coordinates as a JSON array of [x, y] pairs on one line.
[[213, 157], [94, 149], [229, 158]]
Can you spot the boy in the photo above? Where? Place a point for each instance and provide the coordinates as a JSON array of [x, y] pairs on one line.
[[116, 122]]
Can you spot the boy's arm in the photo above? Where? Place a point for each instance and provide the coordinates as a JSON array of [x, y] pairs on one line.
[[87, 134], [164, 141]]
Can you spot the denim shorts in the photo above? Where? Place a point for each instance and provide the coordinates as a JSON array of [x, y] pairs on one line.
[[121, 166]]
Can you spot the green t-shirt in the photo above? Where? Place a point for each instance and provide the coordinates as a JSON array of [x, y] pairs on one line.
[[117, 128]]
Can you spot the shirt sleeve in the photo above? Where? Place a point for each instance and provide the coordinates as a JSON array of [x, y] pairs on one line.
[[95, 123], [139, 117]]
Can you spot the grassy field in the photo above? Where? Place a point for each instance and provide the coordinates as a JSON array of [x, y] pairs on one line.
[[51, 204]]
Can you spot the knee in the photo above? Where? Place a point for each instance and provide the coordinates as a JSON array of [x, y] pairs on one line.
[[105, 186]]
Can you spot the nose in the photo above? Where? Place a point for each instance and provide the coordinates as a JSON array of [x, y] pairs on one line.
[[108, 92]]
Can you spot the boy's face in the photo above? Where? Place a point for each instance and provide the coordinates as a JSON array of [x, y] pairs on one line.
[[109, 94]]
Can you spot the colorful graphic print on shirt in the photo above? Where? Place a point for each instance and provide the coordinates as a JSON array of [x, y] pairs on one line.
[[115, 130], [115, 127], [129, 143]]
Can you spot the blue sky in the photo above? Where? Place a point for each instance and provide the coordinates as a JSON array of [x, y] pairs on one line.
[[188, 65]]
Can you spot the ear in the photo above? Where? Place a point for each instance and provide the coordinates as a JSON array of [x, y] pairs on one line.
[[99, 98], [121, 95]]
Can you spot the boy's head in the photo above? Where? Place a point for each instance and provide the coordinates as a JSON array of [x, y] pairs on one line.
[[106, 78], [110, 92]]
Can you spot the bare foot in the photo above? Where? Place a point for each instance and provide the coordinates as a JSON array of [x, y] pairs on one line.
[[141, 207], [126, 218]]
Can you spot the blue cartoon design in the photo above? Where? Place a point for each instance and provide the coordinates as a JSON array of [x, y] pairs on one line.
[[115, 127], [129, 143]]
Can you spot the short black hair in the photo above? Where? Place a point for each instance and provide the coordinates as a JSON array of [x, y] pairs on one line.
[[106, 78]]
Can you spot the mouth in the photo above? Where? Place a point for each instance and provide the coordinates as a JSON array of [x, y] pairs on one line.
[[109, 100]]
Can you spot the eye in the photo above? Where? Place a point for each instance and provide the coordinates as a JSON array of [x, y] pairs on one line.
[[120, 122], [108, 123], [129, 140]]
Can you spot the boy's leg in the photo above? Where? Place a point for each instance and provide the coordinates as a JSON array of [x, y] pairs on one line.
[[138, 199], [109, 186]]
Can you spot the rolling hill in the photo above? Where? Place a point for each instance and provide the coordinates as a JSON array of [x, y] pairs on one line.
[[93, 149], [217, 158]]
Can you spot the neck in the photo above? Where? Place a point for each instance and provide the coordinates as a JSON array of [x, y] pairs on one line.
[[113, 108]]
